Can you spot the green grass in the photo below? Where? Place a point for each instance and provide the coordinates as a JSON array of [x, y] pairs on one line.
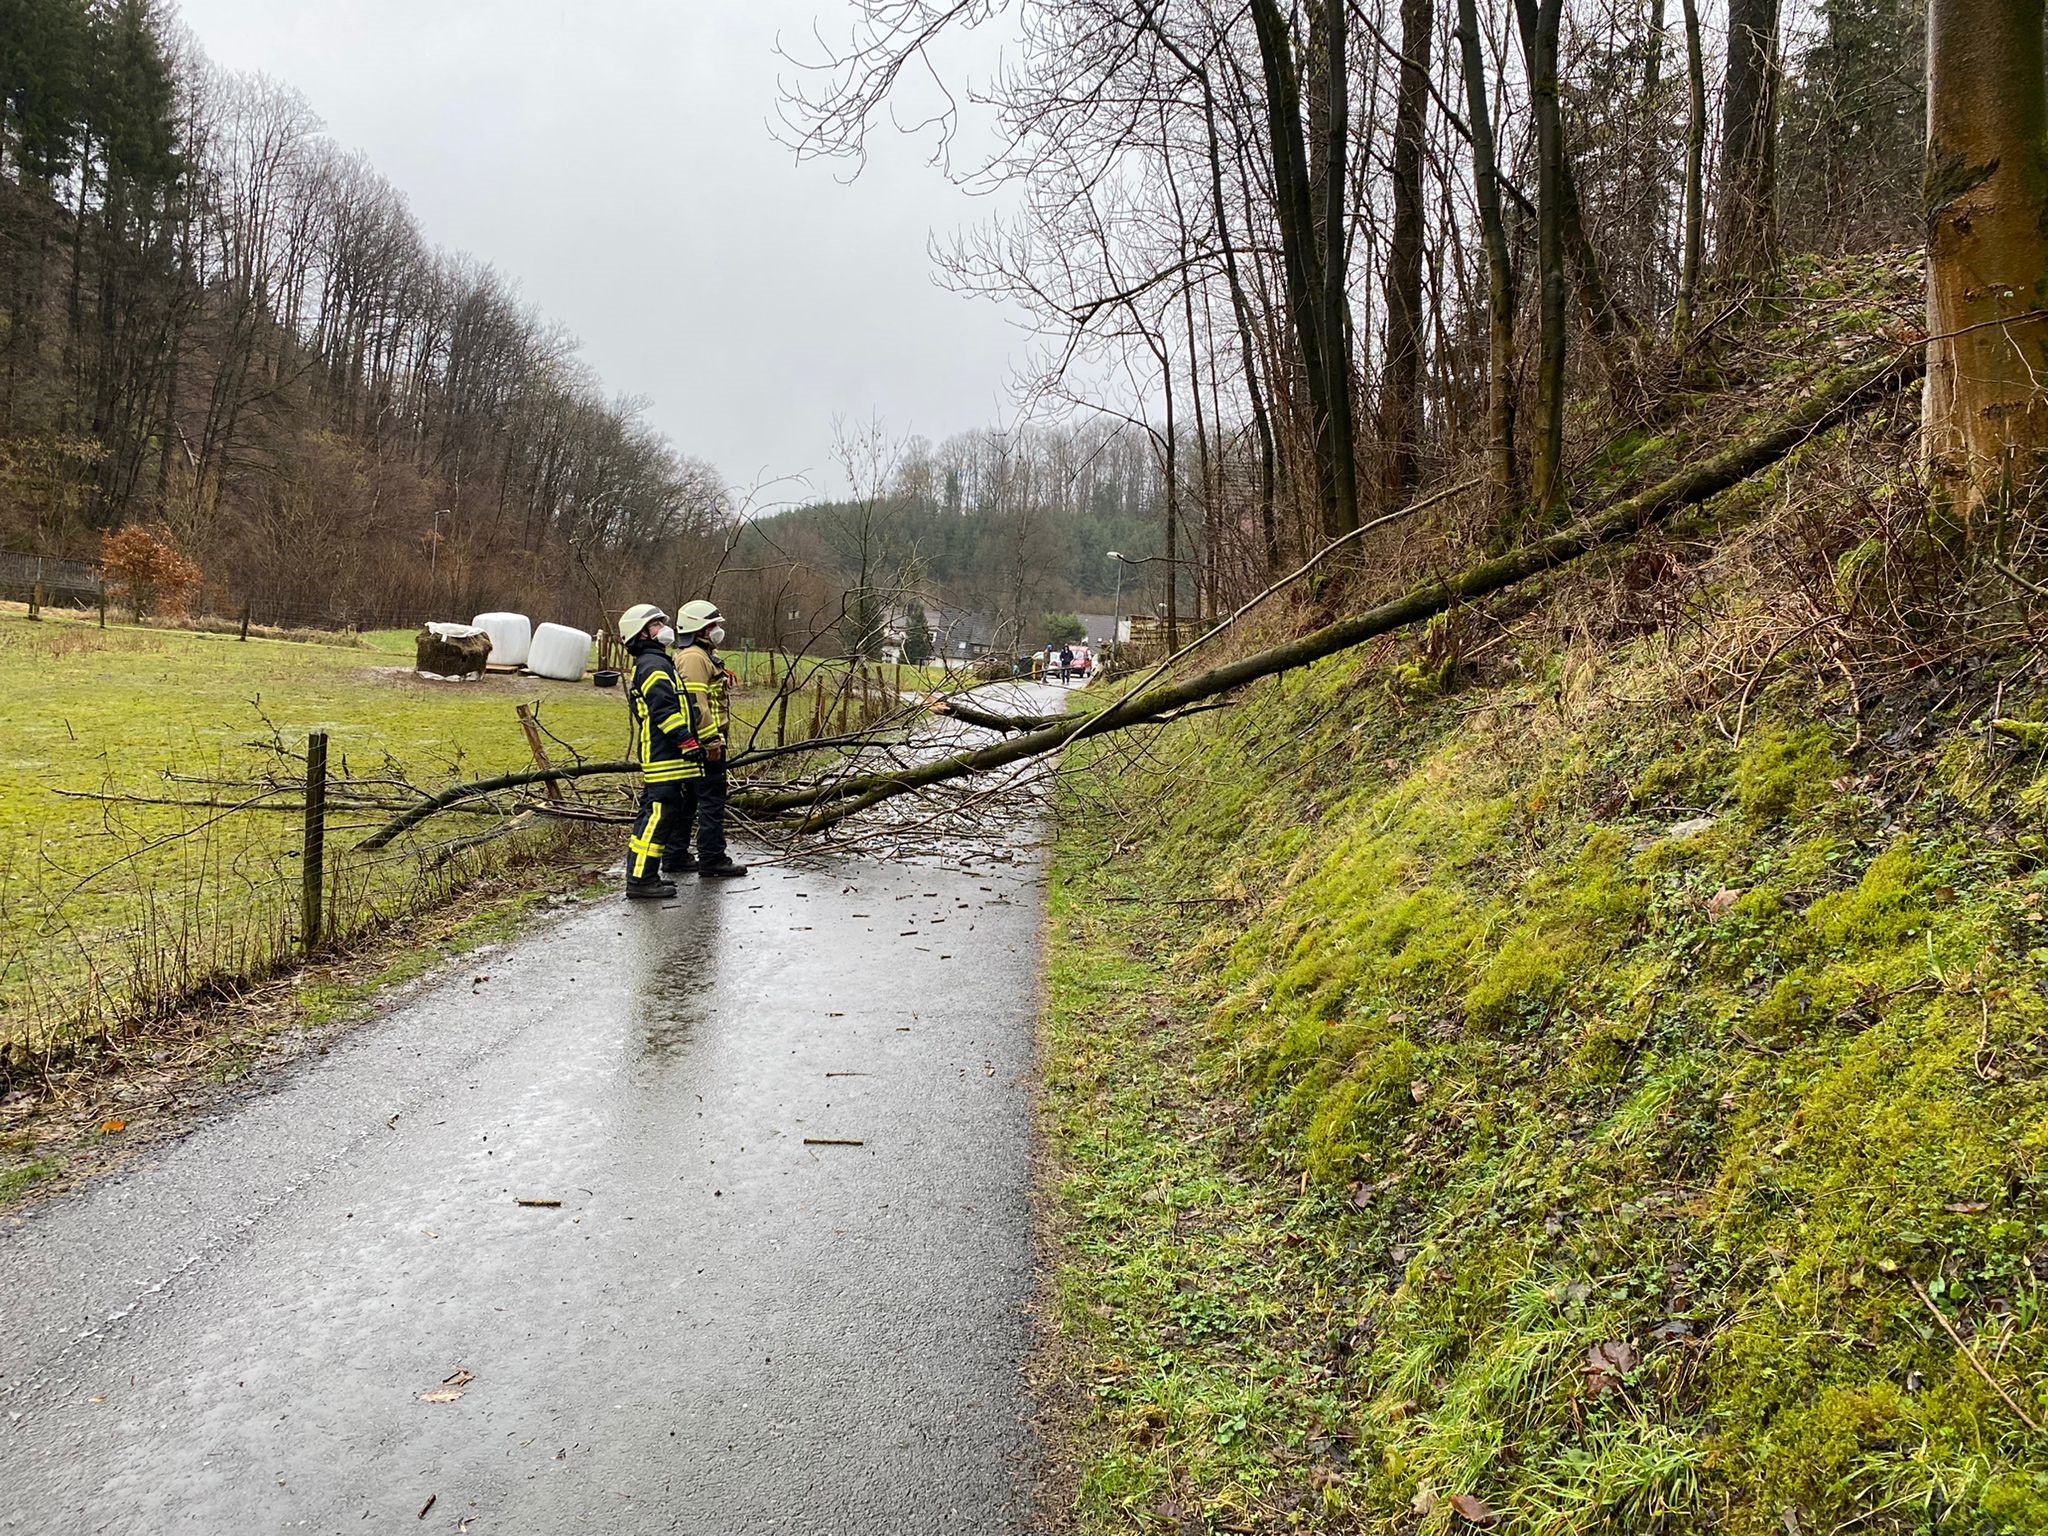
[[1462, 1063], [109, 903], [15, 1182]]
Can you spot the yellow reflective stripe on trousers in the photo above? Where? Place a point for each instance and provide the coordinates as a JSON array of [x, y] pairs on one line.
[[646, 850]]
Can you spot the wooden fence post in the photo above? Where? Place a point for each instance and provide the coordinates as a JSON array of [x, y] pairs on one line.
[[245, 621], [313, 858], [35, 601], [552, 787], [103, 602]]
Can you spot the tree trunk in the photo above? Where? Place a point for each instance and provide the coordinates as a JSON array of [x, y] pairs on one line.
[[1401, 372], [1985, 421], [1316, 298], [1695, 156], [1546, 458], [1342, 447], [1833, 401], [1500, 273], [1747, 234]]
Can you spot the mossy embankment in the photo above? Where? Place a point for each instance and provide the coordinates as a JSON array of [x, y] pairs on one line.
[[1600, 1085]]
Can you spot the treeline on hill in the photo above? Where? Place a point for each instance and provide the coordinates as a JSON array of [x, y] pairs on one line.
[[1321, 257], [215, 319], [1004, 526]]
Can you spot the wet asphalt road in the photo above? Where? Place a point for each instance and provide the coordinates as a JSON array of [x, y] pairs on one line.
[[720, 1329]]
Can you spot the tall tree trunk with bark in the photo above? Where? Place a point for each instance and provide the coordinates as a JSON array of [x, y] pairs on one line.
[[1316, 298], [1500, 272], [1985, 420], [1401, 372], [1546, 453], [1695, 161], [1747, 234]]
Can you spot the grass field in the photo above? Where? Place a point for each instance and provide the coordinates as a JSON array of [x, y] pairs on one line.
[[108, 905], [115, 902]]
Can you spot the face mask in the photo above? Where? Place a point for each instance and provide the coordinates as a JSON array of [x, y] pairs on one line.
[[715, 634], [664, 636]]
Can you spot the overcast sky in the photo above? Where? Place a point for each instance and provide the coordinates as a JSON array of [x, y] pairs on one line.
[[614, 157]]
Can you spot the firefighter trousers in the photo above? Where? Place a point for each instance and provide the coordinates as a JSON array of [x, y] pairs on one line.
[[661, 828], [704, 802]]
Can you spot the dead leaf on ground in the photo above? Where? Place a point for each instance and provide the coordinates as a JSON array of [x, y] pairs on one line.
[[1607, 1363], [1470, 1507], [463, 1377], [112, 1127], [441, 1395], [1722, 902], [1418, 1090]]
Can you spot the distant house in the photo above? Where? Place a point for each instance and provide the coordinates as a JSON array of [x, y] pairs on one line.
[[1098, 628], [956, 634]]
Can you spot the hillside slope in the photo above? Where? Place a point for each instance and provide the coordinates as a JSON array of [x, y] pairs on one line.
[[1581, 1071]]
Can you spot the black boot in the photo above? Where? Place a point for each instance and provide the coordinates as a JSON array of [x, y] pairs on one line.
[[649, 890], [684, 863], [720, 868]]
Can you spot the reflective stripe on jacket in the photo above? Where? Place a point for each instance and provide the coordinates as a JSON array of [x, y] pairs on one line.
[[703, 676], [661, 721]]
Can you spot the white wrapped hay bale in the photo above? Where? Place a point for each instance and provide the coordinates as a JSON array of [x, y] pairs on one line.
[[559, 652], [511, 637]]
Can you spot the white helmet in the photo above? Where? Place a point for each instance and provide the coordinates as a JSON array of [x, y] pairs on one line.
[[698, 616], [637, 618]]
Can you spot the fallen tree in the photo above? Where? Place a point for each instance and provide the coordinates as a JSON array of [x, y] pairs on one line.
[[1842, 396], [815, 806]]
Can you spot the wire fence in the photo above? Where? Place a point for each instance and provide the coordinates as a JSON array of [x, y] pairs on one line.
[[202, 890], [30, 578], [41, 580], [198, 886]]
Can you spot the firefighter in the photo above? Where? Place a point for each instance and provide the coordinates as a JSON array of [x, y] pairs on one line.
[[705, 680], [670, 755]]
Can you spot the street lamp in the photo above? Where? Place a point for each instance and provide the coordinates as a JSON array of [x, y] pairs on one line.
[[1116, 623], [1123, 560], [434, 545]]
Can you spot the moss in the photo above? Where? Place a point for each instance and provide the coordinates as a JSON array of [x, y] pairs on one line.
[[1694, 775], [1781, 771], [1487, 1082], [2032, 734]]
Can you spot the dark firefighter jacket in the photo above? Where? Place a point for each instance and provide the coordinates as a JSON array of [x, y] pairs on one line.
[[664, 738]]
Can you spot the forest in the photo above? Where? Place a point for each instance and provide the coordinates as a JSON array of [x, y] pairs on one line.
[[220, 323], [1285, 264], [1320, 258]]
